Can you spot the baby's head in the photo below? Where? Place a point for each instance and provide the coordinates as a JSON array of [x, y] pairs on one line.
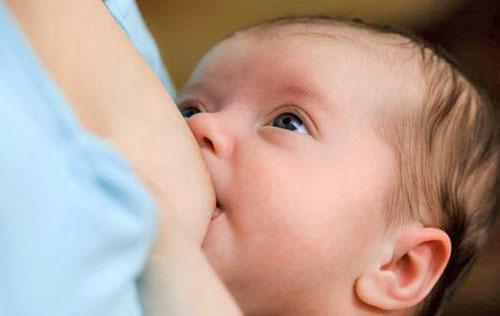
[[355, 168]]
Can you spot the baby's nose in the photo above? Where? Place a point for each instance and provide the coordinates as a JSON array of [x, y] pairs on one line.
[[211, 133]]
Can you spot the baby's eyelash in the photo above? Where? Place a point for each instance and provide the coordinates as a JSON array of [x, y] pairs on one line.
[[295, 111], [290, 121], [190, 107], [189, 111]]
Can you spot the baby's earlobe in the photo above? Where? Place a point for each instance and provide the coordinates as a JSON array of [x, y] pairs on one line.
[[372, 289], [421, 254]]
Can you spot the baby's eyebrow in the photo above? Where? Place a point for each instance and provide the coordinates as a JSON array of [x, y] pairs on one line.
[[319, 100], [298, 91], [191, 88]]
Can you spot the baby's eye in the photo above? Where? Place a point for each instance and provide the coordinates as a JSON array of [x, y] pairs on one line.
[[291, 122], [189, 111]]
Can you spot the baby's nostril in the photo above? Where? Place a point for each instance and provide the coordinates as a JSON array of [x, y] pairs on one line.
[[207, 142]]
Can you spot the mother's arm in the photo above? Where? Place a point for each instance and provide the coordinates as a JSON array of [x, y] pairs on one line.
[[117, 96]]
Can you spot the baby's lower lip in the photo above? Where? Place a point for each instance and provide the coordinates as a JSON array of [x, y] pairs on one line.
[[216, 213]]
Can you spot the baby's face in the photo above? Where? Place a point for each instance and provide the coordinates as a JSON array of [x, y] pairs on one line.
[[286, 130]]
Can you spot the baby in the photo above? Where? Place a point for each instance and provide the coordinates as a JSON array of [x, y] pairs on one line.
[[355, 168]]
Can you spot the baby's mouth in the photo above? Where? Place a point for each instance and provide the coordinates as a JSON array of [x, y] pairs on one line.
[[217, 210]]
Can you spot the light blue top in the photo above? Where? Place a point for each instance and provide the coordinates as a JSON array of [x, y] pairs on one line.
[[130, 20], [75, 222]]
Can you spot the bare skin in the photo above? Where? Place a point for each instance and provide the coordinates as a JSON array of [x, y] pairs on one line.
[[117, 96], [286, 120], [178, 280]]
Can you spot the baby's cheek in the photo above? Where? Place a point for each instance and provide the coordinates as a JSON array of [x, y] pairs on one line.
[[290, 245]]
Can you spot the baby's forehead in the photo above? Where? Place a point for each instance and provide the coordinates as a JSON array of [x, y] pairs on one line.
[[393, 52], [383, 58]]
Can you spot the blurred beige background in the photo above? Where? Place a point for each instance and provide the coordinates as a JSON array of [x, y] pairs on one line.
[[185, 29], [469, 29]]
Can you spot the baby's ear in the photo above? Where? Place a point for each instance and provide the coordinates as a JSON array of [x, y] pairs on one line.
[[419, 258]]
